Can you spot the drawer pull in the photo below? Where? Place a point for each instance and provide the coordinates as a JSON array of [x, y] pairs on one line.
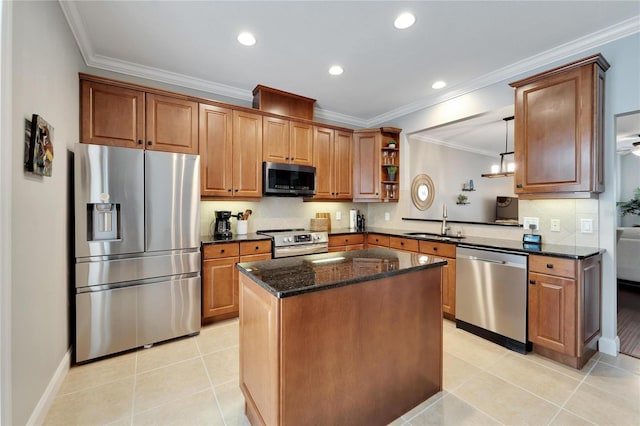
[[257, 247], [435, 249], [221, 250], [550, 265], [532, 281]]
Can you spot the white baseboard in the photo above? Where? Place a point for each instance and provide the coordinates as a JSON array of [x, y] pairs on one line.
[[609, 346], [46, 400]]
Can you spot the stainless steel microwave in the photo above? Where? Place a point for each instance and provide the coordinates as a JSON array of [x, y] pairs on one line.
[[288, 179]]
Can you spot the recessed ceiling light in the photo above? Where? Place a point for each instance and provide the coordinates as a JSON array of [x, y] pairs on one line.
[[336, 70], [247, 39], [404, 20], [438, 85]]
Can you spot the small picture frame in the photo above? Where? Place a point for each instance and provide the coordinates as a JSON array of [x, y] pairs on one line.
[[39, 158]]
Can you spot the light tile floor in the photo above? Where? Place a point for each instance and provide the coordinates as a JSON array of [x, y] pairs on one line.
[[194, 381]]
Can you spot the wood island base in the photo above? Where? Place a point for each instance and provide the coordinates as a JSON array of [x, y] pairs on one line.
[[364, 353]]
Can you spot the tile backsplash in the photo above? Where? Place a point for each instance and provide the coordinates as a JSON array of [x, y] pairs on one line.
[[287, 213]]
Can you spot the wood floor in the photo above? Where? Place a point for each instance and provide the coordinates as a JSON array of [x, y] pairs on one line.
[[629, 319]]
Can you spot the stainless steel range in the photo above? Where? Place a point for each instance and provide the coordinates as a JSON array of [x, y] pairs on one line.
[[297, 242]]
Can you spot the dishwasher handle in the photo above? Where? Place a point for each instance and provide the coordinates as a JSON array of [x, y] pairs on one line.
[[499, 262]]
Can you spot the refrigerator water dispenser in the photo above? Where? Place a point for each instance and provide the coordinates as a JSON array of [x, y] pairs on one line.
[[103, 221]]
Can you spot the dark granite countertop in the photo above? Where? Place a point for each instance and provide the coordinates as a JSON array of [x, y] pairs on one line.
[[209, 239], [555, 250], [292, 276]]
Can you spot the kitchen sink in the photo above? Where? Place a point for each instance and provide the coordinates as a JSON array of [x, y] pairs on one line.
[[432, 236]]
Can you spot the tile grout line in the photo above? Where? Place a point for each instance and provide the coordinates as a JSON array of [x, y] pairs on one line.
[[213, 389], [482, 369], [580, 383]]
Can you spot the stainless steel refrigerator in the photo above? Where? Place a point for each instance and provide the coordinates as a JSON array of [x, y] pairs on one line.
[[137, 248]]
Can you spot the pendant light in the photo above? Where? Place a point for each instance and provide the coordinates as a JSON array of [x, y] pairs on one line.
[[504, 169]]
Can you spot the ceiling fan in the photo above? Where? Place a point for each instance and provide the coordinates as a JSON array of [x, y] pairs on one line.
[[629, 144]]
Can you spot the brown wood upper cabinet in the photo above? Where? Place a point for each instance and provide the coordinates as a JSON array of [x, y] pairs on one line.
[[559, 131], [333, 159], [287, 141], [230, 151], [373, 160], [126, 116]]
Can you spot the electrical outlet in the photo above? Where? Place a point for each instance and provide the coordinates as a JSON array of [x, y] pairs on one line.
[[528, 221], [586, 226], [387, 216], [338, 215], [555, 225]]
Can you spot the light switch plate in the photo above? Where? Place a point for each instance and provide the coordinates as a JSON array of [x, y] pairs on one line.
[[555, 225], [586, 226], [526, 221], [338, 215], [387, 216]]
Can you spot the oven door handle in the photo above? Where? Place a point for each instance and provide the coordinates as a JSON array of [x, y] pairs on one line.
[[300, 250]]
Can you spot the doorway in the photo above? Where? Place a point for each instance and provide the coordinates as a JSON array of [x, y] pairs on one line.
[[628, 232]]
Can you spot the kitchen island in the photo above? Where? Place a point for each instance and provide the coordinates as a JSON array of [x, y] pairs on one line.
[[340, 338]]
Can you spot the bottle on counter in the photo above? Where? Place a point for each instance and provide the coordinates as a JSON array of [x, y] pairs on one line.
[[360, 222]]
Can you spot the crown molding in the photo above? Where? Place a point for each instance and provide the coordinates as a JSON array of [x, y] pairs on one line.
[[590, 41], [157, 74], [72, 15], [421, 138], [339, 118]]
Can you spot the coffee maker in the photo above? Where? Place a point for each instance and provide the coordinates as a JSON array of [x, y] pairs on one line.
[[222, 227]]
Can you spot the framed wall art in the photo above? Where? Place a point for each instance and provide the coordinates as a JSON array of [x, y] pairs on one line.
[[39, 158]]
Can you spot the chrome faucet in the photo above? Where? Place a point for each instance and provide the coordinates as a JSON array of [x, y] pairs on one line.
[[444, 228]]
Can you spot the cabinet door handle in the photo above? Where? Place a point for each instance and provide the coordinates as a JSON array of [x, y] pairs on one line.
[[293, 158], [139, 141], [519, 185], [149, 143], [550, 265], [236, 189], [532, 281]]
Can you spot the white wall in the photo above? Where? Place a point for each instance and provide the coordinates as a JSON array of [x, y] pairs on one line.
[[450, 169], [45, 65], [5, 212]]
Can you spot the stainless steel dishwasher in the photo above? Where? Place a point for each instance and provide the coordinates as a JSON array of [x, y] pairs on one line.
[[491, 295]]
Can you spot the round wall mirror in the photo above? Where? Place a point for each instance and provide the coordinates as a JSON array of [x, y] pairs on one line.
[[422, 192]]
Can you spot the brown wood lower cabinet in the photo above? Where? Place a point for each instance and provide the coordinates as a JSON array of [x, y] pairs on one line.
[[443, 250], [220, 276], [404, 244], [377, 240], [447, 252], [340, 356], [345, 242], [564, 307]]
